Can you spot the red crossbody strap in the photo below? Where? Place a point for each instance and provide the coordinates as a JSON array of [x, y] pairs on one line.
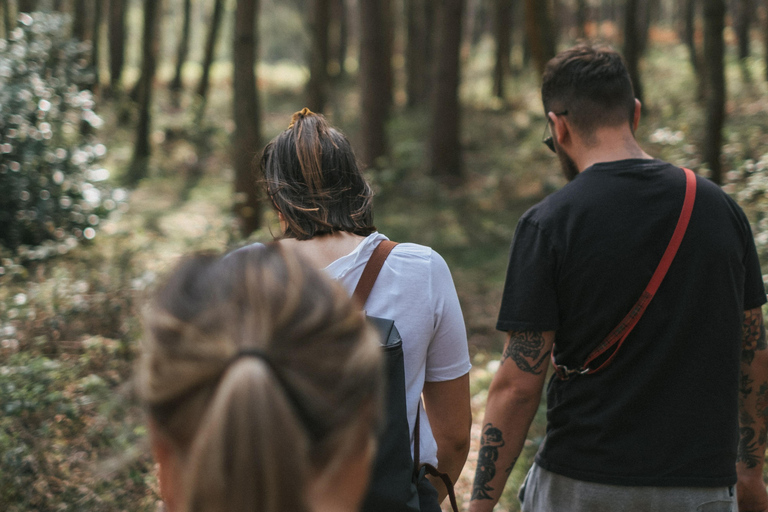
[[371, 271], [620, 332]]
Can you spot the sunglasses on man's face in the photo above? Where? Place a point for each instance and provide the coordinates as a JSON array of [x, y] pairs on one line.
[[549, 141]]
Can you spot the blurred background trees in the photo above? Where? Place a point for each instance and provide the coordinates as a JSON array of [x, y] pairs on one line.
[[130, 131]]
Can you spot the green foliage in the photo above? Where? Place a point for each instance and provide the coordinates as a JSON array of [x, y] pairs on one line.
[[52, 194]]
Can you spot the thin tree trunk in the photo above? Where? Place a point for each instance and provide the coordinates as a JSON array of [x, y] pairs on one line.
[[468, 26], [183, 49], [375, 76], [80, 20], [247, 136], [742, 25], [149, 48], [765, 38], [445, 143], [539, 33], [7, 18], [690, 33], [116, 42], [317, 87], [417, 63], [581, 18], [210, 45], [503, 33], [96, 44], [714, 49], [27, 5], [633, 45], [340, 37]]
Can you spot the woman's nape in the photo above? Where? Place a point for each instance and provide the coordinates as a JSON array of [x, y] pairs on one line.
[[262, 383]]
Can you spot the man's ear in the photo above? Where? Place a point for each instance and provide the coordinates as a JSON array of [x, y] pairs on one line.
[[636, 118], [560, 129]]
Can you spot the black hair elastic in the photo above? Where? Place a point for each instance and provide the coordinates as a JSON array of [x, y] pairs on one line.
[[315, 431]]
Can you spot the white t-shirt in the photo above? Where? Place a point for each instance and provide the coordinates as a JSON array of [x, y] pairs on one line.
[[415, 289]]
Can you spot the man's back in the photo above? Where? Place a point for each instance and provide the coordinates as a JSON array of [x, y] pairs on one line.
[[665, 412]]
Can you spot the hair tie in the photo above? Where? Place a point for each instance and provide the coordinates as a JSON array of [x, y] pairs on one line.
[[314, 430], [301, 114]]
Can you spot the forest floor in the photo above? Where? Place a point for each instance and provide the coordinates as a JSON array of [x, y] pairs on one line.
[[71, 434]]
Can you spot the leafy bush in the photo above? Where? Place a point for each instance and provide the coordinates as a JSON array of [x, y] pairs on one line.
[[52, 193]]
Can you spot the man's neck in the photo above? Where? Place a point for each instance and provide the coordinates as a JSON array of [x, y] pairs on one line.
[[608, 145]]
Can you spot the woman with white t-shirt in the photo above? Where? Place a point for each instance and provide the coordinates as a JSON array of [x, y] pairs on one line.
[[325, 208]]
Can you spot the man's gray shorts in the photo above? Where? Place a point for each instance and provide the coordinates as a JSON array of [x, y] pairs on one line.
[[544, 491]]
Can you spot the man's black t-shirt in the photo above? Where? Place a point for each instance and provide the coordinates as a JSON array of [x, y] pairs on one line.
[[665, 412]]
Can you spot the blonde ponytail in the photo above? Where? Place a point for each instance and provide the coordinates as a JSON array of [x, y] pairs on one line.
[[258, 369]]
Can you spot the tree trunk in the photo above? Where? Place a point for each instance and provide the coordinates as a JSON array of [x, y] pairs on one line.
[[149, 48], [27, 5], [637, 17], [416, 51], [183, 49], [340, 38], [503, 33], [375, 76], [581, 18], [765, 39], [317, 87], [743, 17], [247, 136], [116, 42], [690, 33], [210, 45], [7, 18], [714, 48], [80, 20], [539, 33], [96, 44], [445, 142]]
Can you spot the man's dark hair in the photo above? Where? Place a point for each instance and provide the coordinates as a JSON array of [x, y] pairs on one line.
[[592, 84], [313, 180]]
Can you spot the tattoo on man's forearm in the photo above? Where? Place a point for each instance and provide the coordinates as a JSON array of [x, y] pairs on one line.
[[748, 447], [511, 466], [490, 442], [753, 335], [525, 348]]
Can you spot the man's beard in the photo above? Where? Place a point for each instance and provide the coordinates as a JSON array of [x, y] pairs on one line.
[[567, 164]]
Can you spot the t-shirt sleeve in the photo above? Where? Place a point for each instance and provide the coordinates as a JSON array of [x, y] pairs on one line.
[[754, 289], [529, 301], [448, 353]]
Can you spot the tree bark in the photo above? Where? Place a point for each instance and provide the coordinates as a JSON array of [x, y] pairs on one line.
[[581, 18], [116, 42], [96, 44], [539, 32], [714, 49], [210, 45], [149, 48], [80, 20], [637, 22], [445, 142], [317, 87], [375, 76], [247, 136], [183, 49], [417, 52], [742, 24], [7, 18], [27, 5], [503, 33], [765, 38], [340, 36]]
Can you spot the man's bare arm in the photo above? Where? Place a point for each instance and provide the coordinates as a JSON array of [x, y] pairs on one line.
[[512, 403], [753, 414]]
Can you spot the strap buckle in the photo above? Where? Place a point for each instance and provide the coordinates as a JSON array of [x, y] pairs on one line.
[[565, 373]]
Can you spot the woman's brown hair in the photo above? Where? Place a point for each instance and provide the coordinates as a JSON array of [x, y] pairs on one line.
[[261, 372], [314, 181]]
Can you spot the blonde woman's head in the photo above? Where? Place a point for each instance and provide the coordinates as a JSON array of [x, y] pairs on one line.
[[262, 382]]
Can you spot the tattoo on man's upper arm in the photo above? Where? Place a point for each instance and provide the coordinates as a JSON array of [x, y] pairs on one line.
[[753, 335], [525, 349], [490, 441]]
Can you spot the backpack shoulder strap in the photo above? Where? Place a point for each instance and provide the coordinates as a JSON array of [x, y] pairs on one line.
[[371, 271]]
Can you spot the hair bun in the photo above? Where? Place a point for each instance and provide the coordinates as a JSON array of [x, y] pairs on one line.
[[301, 114]]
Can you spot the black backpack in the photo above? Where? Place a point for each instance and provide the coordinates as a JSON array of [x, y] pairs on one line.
[[394, 476]]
